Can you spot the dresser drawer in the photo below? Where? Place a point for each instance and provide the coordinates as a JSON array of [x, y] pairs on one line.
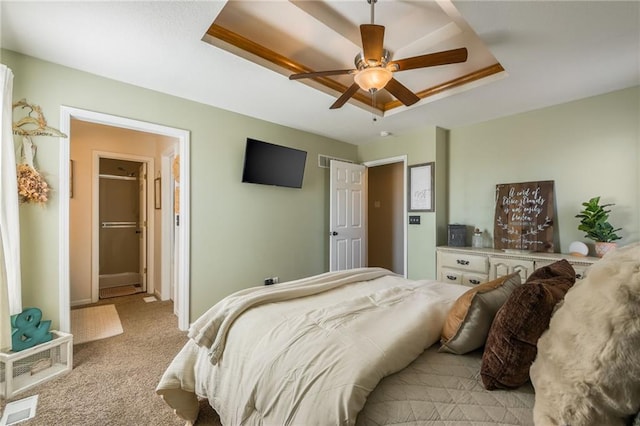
[[474, 279], [450, 276], [464, 278], [465, 262]]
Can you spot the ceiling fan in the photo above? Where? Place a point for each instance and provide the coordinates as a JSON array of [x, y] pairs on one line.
[[374, 71]]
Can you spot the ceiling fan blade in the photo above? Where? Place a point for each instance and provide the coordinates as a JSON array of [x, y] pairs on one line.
[[372, 41], [431, 59], [401, 92], [345, 96], [319, 74]]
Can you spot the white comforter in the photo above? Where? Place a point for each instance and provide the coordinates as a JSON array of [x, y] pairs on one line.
[[307, 352]]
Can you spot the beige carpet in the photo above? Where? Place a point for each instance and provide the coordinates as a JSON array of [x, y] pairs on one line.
[[94, 323], [125, 290], [113, 380]]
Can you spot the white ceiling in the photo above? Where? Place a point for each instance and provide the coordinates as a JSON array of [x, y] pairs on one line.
[[553, 52], [321, 36]]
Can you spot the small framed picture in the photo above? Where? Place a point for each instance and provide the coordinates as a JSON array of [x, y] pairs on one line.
[[421, 189], [157, 200]]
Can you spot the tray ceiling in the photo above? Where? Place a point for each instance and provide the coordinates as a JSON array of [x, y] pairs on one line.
[[307, 36]]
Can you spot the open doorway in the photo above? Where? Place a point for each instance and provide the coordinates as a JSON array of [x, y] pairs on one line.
[[387, 214], [70, 188], [123, 238], [385, 219]]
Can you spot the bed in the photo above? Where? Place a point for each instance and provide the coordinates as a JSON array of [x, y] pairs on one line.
[[342, 348]]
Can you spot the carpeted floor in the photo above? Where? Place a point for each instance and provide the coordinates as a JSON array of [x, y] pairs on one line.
[[113, 380]]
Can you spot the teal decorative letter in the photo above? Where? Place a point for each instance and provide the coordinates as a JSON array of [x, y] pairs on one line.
[[28, 330]]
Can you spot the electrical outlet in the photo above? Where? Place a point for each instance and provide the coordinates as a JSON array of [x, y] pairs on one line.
[[276, 280], [268, 281]]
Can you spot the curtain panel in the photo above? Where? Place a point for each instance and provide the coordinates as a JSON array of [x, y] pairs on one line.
[[10, 278]]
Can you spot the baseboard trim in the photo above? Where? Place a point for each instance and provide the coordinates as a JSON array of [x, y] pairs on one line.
[[80, 302]]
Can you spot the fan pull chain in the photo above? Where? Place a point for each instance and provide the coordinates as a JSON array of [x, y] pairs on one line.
[[373, 106], [372, 3]]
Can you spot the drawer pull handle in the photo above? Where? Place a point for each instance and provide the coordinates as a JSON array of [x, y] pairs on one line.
[[452, 277], [462, 262], [578, 276], [474, 281]]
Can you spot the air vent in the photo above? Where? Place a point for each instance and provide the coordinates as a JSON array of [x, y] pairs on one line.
[[325, 160]]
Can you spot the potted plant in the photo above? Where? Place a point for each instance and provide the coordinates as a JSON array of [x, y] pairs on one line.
[[594, 221]]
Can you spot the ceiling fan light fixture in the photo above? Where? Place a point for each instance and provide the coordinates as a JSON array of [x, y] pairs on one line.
[[373, 79]]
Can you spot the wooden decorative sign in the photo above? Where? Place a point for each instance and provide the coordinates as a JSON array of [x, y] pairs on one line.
[[524, 216]]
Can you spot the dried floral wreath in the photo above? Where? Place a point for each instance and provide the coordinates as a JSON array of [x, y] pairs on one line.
[[32, 187]]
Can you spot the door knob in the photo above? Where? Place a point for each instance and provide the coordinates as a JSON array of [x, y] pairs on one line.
[[334, 233]]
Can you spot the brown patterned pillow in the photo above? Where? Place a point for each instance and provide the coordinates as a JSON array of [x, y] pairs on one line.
[[511, 344]]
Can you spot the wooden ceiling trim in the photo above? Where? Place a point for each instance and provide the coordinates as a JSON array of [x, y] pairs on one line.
[[281, 61], [447, 85], [250, 46]]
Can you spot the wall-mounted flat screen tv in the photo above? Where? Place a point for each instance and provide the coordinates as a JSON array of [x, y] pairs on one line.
[[269, 164]]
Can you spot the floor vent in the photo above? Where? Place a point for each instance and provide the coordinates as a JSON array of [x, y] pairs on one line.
[[325, 160]]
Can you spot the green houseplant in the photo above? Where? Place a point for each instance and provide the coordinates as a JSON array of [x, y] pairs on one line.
[[594, 221]]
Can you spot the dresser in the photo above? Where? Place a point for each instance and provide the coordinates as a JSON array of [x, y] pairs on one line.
[[470, 266]]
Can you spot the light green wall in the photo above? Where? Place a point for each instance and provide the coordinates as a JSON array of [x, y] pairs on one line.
[[240, 233], [588, 147], [421, 146]]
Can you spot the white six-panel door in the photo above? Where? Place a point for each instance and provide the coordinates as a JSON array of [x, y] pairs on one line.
[[347, 223]]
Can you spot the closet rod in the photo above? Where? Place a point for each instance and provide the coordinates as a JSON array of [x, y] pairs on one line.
[[119, 224], [117, 177]]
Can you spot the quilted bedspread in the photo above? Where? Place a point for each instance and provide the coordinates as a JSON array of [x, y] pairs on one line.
[[310, 359], [335, 349], [445, 389]]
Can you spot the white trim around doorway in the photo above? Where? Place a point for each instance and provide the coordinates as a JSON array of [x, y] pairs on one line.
[[167, 224], [183, 137]]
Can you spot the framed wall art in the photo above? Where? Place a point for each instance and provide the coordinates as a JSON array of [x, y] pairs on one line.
[[421, 187]]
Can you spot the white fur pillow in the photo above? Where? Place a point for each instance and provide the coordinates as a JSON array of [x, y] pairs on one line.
[[587, 371]]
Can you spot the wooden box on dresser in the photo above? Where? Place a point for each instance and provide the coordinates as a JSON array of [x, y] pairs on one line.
[[471, 266]]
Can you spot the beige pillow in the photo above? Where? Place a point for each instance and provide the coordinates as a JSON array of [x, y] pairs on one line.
[[469, 319]]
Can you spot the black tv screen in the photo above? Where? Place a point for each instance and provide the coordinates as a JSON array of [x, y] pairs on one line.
[[269, 164]]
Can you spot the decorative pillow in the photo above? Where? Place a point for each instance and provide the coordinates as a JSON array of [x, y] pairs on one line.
[[469, 319], [588, 367], [511, 344]]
